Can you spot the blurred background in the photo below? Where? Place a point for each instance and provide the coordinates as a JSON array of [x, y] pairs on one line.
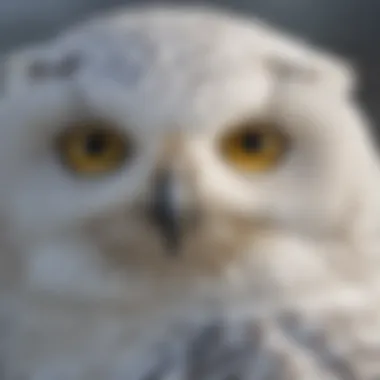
[[350, 28]]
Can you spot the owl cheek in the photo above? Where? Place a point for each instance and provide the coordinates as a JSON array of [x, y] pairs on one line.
[[68, 267]]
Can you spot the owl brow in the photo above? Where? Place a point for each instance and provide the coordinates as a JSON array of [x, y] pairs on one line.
[[63, 68]]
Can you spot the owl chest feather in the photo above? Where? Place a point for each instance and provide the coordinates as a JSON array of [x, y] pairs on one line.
[[48, 338], [264, 311]]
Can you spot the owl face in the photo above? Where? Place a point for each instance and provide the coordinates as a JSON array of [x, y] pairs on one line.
[[170, 148]]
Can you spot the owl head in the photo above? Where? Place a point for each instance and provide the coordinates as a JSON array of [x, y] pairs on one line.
[[160, 143]]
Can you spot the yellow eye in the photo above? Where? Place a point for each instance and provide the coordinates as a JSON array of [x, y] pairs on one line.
[[93, 148], [253, 147]]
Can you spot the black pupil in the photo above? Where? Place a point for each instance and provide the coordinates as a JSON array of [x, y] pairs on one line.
[[252, 142], [95, 143]]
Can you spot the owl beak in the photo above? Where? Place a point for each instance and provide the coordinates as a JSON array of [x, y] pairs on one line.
[[164, 211]]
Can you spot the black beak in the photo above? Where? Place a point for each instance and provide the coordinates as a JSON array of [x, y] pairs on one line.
[[164, 213]]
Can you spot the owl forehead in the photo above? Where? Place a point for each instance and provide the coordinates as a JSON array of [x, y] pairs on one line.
[[183, 77], [136, 53]]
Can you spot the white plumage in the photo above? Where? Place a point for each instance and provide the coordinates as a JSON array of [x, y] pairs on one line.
[[102, 279]]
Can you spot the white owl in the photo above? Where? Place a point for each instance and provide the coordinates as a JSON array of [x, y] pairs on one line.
[[186, 194]]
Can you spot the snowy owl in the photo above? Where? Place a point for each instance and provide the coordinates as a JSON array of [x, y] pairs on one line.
[[186, 194]]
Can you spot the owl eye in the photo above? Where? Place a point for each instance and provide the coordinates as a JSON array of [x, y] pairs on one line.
[[93, 148], [253, 147]]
